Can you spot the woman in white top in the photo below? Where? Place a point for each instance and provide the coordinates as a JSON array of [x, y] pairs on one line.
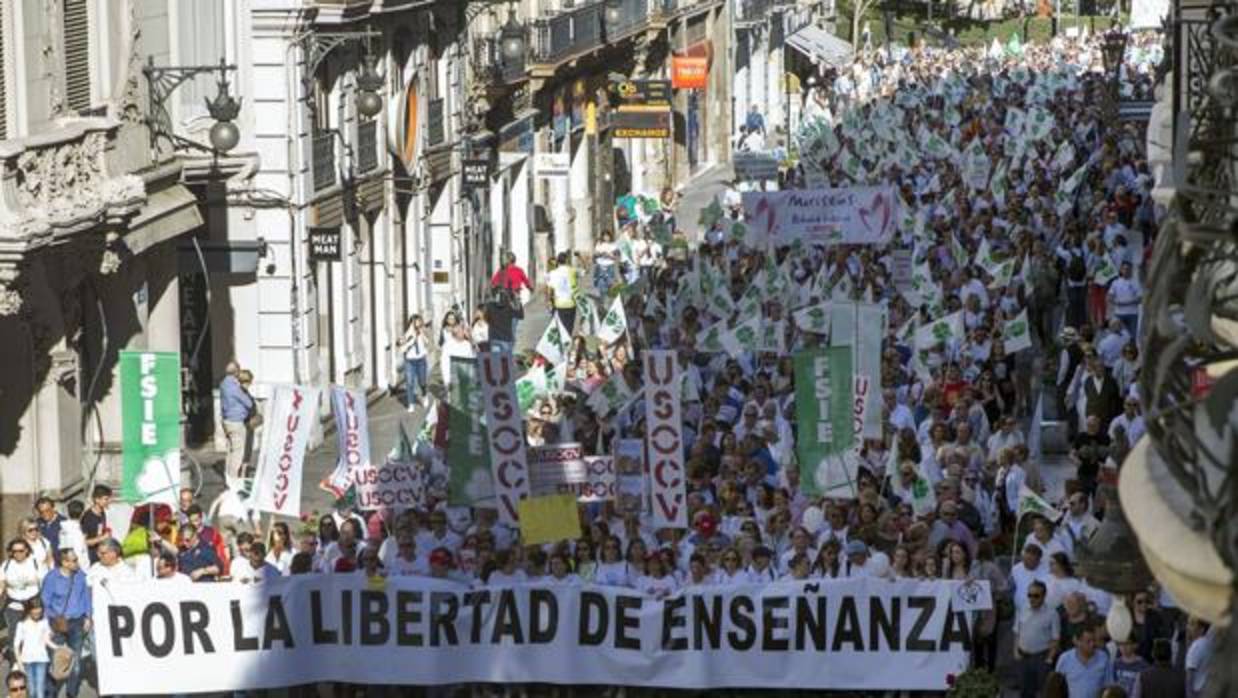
[[480, 330], [561, 571], [456, 344], [612, 570], [657, 582], [605, 254], [280, 553], [40, 547], [505, 570], [900, 564], [1062, 580], [406, 562], [20, 578], [731, 572]]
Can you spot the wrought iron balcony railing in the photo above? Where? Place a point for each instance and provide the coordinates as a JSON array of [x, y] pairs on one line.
[[324, 160], [570, 33], [633, 14], [752, 11], [436, 131]]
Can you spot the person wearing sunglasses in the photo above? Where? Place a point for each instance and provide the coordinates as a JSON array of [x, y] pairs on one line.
[[1036, 631], [20, 578], [15, 682]]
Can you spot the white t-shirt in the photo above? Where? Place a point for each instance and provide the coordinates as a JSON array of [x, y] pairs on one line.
[[657, 587], [500, 578], [31, 640], [1198, 657], [22, 580], [282, 563], [614, 574], [419, 566]]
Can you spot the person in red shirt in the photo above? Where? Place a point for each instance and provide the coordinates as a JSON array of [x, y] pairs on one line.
[[511, 276]]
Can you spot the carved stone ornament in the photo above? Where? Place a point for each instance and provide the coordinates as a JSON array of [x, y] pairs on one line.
[[57, 184]]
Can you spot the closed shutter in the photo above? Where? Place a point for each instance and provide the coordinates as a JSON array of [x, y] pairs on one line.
[[77, 55]]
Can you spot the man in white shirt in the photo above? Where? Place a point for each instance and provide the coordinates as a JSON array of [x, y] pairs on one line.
[[252, 567], [439, 536], [860, 564], [1007, 436], [1125, 295], [1079, 523], [110, 567], [1111, 343], [1130, 421], [1029, 569]]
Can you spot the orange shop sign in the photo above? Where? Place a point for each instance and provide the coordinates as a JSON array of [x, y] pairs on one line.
[[689, 72]]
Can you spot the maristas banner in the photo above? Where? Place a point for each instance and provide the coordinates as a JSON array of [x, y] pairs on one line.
[[844, 216], [853, 634]]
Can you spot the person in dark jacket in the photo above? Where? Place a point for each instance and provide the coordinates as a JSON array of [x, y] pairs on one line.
[[1162, 679], [501, 317]]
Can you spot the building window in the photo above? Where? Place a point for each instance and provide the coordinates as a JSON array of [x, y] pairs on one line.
[[200, 41], [77, 55]]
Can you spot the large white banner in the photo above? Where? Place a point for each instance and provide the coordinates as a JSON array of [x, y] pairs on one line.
[[277, 483], [848, 634], [861, 326], [850, 215], [565, 469], [664, 440], [505, 432], [353, 432]]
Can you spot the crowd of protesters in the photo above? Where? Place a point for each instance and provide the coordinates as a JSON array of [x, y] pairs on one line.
[[937, 497]]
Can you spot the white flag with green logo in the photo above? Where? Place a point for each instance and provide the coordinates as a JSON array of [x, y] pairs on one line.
[[1002, 274], [815, 319], [1016, 334], [587, 311], [709, 340], [1032, 503], [611, 397], [998, 184], [744, 337], [555, 342], [1105, 271], [1064, 157], [772, 336], [615, 324], [945, 330], [530, 387]]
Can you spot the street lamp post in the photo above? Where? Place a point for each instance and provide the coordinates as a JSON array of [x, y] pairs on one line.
[[1113, 50]]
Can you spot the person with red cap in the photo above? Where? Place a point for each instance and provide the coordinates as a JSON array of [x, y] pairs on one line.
[[707, 533]]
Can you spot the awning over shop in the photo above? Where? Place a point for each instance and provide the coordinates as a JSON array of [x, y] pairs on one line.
[[167, 214], [820, 45]]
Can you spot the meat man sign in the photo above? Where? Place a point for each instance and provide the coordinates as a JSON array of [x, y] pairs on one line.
[[664, 440]]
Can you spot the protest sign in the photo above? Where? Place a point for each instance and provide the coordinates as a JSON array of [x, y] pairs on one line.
[[614, 324], [555, 342], [471, 483], [852, 215], [841, 634], [825, 412], [565, 469], [277, 482], [351, 424], [548, 519], [860, 327], [664, 440], [504, 432], [394, 485], [631, 492], [150, 412]]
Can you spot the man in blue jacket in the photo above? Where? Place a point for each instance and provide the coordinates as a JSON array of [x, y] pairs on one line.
[[66, 596]]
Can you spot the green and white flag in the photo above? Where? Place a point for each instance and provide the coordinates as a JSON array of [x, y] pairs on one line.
[[958, 251], [923, 498], [843, 289], [587, 311], [613, 396], [1002, 274], [1032, 503], [772, 336], [556, 342], [825, 415], [815, 319], [984, 256], [976, 166], [709, 340], [1064, 157], [615, 324], [744, 337], [150, 413], [530, 387], [710, 215], [1105, 271], [998, 184], [940, 331], [1016, 334]]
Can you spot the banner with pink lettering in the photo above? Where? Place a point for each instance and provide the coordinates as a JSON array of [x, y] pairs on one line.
[[664, 440], [505, 433], [352, 430], [277, 484]]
